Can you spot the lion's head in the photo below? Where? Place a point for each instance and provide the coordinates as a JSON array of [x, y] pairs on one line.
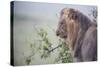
[[70, 23]]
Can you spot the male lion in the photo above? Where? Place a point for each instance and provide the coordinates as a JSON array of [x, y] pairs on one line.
[[79, 33]]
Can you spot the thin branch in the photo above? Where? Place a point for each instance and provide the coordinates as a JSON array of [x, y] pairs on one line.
[[54, 49]]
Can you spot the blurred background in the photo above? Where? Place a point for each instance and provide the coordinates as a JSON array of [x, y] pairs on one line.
[[35, 41]]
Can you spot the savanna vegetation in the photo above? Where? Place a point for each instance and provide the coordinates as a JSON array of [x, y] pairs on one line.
[[45, 49]]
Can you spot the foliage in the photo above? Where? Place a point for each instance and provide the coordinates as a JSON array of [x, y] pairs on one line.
[[94, 14], [45, 42], [45, 48], [64, 55]]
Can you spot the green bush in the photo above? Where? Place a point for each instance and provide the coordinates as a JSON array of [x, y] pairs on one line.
[[45, 48]]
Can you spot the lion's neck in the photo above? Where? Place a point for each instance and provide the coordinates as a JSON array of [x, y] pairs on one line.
[[72, 44], [73, 33]]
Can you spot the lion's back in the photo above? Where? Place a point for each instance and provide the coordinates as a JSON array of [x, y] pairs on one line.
[[89, 46]]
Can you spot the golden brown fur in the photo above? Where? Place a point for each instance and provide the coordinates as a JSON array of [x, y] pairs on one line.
[[79, 33]]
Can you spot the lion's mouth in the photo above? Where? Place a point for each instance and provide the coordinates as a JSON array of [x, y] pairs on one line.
[[61, 36], [64, 36]]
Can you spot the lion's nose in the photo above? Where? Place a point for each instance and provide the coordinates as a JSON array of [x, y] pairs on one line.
[[57, 33]]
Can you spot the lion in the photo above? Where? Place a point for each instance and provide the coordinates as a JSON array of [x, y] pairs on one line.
[[79, 33]]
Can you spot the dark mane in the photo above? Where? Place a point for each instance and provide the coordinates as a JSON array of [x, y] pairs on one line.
[[84, 21]]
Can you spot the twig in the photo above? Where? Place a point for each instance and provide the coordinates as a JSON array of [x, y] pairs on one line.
[[54, 49]]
